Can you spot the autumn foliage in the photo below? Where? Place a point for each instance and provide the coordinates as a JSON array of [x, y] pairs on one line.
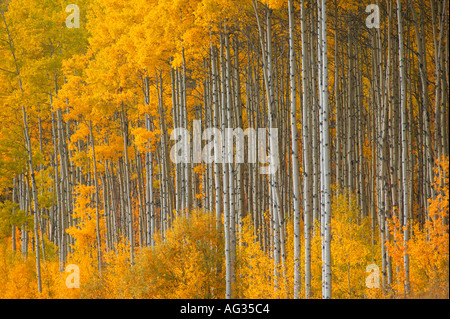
[[87, 179], [189, 262]]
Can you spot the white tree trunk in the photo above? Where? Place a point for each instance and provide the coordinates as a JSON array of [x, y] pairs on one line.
[[404, 145], [216, 121], [127, 187], [295, 165], [226, 195], [325, 158], [306, 154], [30, 156], [97, 203]]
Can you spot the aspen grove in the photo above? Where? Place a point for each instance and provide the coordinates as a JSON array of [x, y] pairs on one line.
[[332, 181]]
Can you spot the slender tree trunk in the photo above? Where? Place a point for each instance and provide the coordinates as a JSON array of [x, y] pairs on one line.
[[229, 157], [35, 198], [306, 153], [127, 199], [295, 165], [226, 190], [30, 156], [404, 146], [325, 159], [97, 202], [216, 121]]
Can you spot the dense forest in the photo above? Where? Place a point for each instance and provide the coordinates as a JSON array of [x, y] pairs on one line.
[[224, 149]]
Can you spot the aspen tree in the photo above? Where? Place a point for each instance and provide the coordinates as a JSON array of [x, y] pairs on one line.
[[216, 121], [404, 146], [127, 195], [150, 210], [97, 201], [228, 156], [388, 126], [295, 169], [226, 175], [306, 153], [325, 159], [29, 153]]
